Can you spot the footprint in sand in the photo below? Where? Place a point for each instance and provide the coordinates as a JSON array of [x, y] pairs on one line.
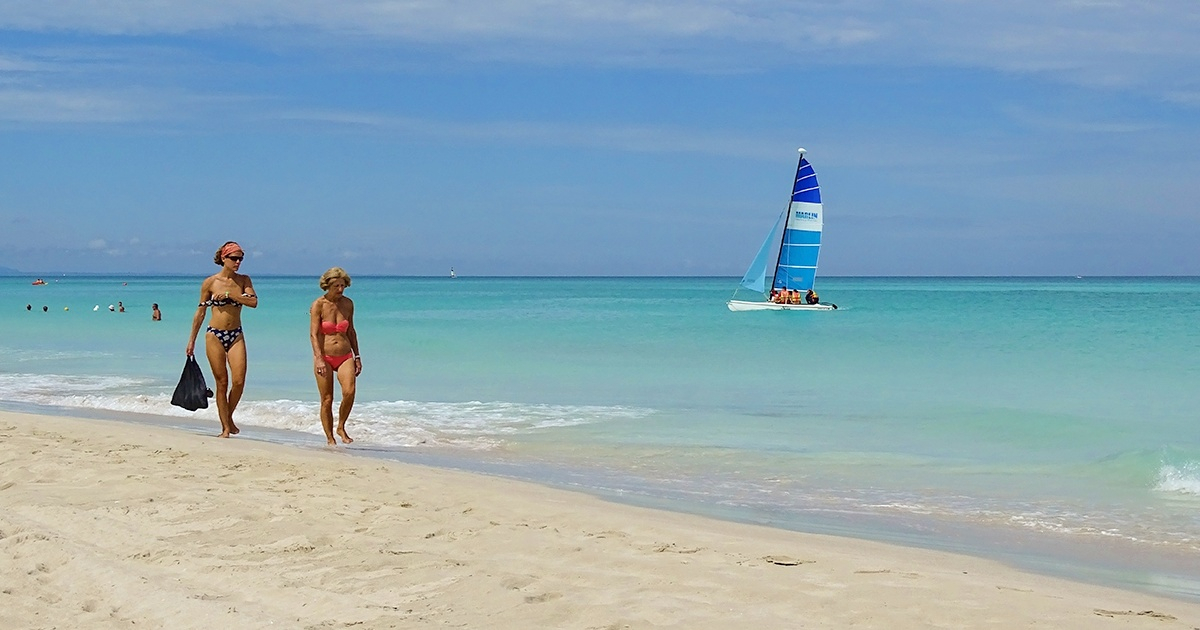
[[1144, 613], [517, 583], [608, 533], [673, 548], [543, 598], [787, 561]]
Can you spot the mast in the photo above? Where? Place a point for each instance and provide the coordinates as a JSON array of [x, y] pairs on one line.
[[783, 232]]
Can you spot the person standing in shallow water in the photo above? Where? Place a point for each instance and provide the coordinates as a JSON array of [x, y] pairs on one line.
[[226, 292], [335, 349]]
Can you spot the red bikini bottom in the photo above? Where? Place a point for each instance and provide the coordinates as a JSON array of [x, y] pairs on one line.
[[336, 362]]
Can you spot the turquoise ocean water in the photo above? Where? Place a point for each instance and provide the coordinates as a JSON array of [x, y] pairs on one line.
[[1051, 423]]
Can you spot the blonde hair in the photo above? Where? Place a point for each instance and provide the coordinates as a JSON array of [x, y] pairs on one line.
[[334, 273]]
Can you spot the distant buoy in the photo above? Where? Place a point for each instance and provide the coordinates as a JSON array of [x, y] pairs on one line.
[[96, 307], [66, 308]]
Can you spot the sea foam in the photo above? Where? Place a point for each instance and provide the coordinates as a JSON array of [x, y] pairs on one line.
[[472, 424], [1181, 479]]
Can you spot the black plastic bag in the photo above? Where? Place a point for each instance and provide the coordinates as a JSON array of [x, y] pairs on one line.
[[192, 392]]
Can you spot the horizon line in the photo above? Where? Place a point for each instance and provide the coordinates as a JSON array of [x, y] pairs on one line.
[[93, 274]]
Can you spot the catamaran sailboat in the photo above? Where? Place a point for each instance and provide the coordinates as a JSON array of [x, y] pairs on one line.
[[788, 258]]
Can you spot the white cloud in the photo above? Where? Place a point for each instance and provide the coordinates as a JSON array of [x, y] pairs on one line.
[[1113, 41], [635, 138], [15, 63], [113, 105], [1184, 97], [1061, 124], [66, 106], [97, 243], [1129, 45], [444, 20]]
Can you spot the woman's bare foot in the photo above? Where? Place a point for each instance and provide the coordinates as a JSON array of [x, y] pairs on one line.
[[233, 430], [223, 434], [345, 437]]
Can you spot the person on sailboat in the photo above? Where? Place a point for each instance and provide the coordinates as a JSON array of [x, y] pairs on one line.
[[811, 297]]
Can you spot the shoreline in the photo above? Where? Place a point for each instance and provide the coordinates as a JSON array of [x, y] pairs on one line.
[[1099, 562], [108, 523]]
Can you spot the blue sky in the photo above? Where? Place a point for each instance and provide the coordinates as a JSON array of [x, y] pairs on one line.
[[606, 137]]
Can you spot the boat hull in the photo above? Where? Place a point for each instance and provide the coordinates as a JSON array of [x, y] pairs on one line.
[[740, 305]]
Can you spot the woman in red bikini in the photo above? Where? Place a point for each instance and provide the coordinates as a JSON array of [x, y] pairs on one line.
[[226, 292], [335, 349]]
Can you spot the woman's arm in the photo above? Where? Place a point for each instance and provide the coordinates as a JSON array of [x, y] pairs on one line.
[[315, 336], [248, 297], [352, 335], [198, 318]]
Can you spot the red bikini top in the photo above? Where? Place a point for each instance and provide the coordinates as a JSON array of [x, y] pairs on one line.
[[330, 328]]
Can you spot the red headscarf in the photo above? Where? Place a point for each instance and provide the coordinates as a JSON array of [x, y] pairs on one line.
[[230, 248]]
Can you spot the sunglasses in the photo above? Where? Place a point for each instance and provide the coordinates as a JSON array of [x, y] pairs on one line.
[[236, 258]]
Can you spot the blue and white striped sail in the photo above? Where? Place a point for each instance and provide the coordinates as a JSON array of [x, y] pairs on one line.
[[801, 243]]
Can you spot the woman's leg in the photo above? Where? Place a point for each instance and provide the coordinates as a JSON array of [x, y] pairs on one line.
[[216, 361], [237, 377], [347, 380], [325, 389]]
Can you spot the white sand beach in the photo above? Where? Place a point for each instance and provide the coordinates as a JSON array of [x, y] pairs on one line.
[[111, 525]]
